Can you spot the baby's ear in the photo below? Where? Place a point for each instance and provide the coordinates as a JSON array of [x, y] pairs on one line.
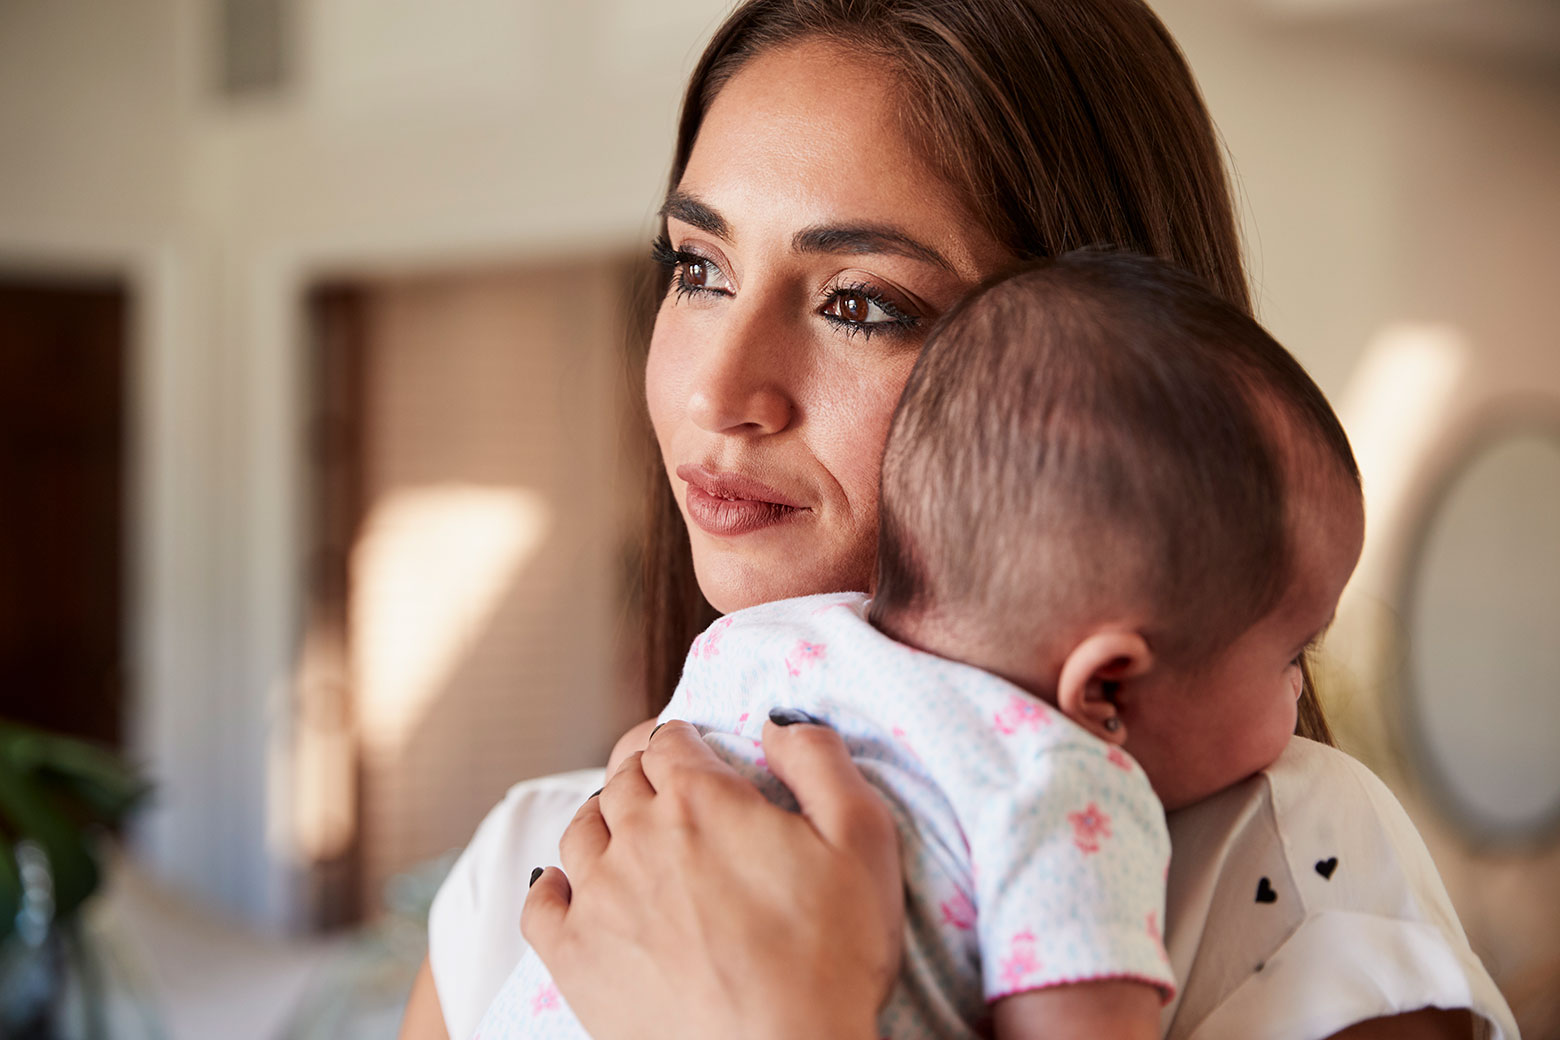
[[1092, 676]]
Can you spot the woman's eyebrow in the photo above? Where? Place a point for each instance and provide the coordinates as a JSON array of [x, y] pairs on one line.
[[679, 205], [866, 238], [858, 239]]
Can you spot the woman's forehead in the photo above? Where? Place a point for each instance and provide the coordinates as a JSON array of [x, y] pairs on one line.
[[810, 137]]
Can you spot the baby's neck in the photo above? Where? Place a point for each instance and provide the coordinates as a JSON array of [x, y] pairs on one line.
[[957, 640]]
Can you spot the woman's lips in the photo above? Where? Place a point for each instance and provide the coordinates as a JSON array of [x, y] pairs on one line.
[[731, 504]]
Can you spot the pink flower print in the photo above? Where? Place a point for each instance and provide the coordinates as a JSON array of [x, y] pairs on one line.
[[802, 655], [1089, 826], [1118, 758], [1021, 713], [546, 999], [1153, 926], [958, 911], [1021, 962], [711, 637]]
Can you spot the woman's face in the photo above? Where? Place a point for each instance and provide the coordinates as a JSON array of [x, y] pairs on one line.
[[813, 247]]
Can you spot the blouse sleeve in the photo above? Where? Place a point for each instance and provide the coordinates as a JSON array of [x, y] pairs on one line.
[[1303, 901], [474, 926]]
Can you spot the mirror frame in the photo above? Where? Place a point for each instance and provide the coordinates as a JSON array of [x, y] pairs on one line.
[[1499, 423]]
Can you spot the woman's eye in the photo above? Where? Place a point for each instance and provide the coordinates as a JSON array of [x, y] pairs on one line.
[[862, 309], [691, 273], [695, 274], [853, 305]]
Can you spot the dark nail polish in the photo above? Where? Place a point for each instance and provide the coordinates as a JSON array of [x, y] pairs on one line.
[[534, 875], [654, 732], [791, 716], [595, 792]]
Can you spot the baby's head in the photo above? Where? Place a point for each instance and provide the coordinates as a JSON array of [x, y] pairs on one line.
[[1113, 488]]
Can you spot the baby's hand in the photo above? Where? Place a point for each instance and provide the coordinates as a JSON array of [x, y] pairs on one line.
[[634, 740]]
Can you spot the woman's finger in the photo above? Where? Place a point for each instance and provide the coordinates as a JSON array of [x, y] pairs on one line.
[[541, 918], [586, 837], [843, 807], [626, 789], [675, 747], [840, 802]]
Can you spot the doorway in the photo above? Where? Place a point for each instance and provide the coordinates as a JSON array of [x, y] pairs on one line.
[[473, 504], [63, 367]]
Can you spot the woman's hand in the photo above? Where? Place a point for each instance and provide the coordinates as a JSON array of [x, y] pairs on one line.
[[692, 907]]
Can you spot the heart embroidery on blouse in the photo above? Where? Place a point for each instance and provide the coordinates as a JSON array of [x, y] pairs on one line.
[[1265, 893], [1325, 867]]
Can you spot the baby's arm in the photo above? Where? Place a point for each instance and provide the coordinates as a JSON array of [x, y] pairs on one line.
[[1110, 1009], [1070, 860], [630, 742]]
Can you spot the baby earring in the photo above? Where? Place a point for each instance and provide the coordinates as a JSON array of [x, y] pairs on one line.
[[1112, 724]]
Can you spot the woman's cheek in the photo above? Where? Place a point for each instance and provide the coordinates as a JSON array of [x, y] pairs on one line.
[[666, 380], [869, 412]]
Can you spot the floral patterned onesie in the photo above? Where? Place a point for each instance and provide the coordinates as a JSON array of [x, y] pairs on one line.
[[1034, 854]]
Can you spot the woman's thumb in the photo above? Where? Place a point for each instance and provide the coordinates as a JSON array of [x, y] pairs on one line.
[[546, 905]]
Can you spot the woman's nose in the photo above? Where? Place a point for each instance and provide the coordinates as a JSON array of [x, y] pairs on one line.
[[742, 385]]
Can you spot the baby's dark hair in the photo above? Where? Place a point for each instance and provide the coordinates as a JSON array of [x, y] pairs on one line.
[[1093, 432]]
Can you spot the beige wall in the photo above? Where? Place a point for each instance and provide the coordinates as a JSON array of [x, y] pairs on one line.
[[1384, 183]]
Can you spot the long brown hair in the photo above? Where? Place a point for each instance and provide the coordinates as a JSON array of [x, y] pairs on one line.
[[1065, 124]]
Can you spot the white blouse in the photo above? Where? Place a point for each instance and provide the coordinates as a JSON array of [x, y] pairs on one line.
[[1300, 902]]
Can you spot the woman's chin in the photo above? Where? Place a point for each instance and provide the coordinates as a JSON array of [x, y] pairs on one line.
[[733, 583]]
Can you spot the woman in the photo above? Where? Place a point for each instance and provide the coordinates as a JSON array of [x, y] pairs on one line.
[[846, 170]]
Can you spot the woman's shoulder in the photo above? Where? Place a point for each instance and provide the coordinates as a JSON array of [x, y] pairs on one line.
[[1303, 900], [474, 926]]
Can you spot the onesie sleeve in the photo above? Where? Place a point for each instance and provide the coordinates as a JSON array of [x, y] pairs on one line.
[[474, 925], [1069, 864]]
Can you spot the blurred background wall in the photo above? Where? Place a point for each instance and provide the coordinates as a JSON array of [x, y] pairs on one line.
[[377, 459]]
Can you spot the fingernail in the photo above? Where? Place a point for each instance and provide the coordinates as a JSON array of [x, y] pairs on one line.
[[791, 716], [653, 733], [595, 792], [534, 875]]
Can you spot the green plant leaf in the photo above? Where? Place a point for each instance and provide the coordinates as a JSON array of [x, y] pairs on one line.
[[97, 778], [55, 791]]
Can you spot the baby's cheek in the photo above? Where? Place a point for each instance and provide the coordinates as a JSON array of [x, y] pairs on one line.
[[1281, 726]]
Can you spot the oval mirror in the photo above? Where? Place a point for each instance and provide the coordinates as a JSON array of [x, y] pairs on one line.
[[1483, 616]]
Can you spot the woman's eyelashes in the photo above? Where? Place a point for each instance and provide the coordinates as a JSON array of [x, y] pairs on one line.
[[861, 307], [853, 307], [692, 274]]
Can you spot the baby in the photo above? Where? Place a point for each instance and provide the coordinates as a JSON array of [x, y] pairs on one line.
[[1115, 516]]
